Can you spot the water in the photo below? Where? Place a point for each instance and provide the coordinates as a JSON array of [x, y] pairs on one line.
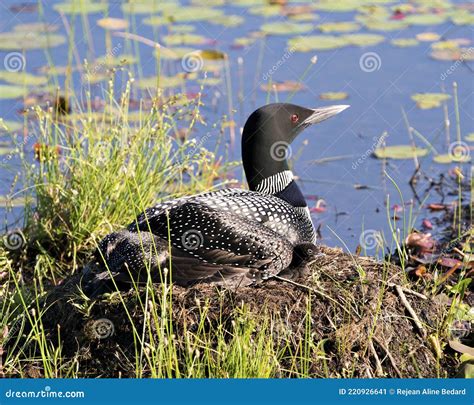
[[376, 100]]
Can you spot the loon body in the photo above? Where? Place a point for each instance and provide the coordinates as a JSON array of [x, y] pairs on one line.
[[230, 236]]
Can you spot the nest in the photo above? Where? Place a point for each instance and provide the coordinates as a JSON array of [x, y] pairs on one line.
[[357, 314]]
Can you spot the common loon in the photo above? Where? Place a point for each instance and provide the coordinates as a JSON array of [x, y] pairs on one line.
[[231, 236]]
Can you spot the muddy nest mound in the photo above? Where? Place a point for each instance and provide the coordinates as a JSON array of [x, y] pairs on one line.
[[354, 316]]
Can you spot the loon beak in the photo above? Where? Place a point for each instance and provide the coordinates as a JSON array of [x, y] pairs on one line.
[[323, 113]]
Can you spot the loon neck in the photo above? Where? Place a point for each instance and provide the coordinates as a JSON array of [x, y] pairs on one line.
[[283, 185]]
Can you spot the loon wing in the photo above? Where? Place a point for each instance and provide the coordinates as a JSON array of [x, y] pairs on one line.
[[210, 244]]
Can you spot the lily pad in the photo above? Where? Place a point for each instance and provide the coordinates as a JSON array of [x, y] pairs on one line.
[[29, 40], [282, 86], [229, 21], [386, 25], [174, 53], [243, 42], [270, 10], [425, 19], [316, 42], [428, 36], [463, 18], [184, 39], [442, 45], [426, 101], [400, 152], [10, 126], [449, 158], [148, 7], [121, 60], [6, 201], [347, 26], [464, 54], [9, 92], [7, 150], [113, 23], [80, 7], [334, 95], [404, 42], [363, 39], [470, 137], [164, 82], [183, 28], [23, 78], [286, 28], [36, 27], [303, 17], [210, 81]]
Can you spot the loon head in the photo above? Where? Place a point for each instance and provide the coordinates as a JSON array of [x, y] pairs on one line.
[[268, 133]]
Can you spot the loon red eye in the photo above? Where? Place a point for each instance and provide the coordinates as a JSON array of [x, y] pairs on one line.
[[294, 118]]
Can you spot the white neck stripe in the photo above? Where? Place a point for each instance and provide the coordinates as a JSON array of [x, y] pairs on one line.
[[276, 183]]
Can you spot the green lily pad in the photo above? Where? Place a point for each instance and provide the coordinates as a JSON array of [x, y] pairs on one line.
[[404, 42], [148, 7], [266, 11], [80, 7], [112, 24], [6, 201], [386, 25], [210, 81], [157, 20], [346, 26], [208, 2], [36, 27], [400, 152], [448, 158], [425, 19], [463, 54], [164, 83], [7, 91], [286, 28], [303, 17], [334, 95], [7, 150], [29, 40], [23, 78], [463, 18], [316, 42], [182, 28], [470, 137], [442, 45], [339, 5], [426, 101], [230, 21], [10, 126], [184, 39], [243, 41], [363, 39], [192, 13]]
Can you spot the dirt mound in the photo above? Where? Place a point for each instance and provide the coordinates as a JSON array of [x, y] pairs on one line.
[[352, 317]]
